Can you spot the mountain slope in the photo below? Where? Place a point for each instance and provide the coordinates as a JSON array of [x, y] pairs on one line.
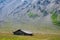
[[33, 15]]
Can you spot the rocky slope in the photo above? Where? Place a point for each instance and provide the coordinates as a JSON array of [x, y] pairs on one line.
[[28, 14]]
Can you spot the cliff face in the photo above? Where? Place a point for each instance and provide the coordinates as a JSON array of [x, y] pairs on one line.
[[36, 14]]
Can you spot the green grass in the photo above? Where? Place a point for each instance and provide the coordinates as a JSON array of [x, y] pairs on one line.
[[32, 15], [54, 17], [7, 36]]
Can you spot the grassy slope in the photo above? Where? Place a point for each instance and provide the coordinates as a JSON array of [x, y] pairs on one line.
[[5, 36], [55, 18]]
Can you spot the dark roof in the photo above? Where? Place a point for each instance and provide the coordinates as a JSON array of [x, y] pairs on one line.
[[22, 32]]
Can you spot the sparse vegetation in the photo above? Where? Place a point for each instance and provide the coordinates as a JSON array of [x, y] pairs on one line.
[[32, 15], [35, 37], [54, 17]]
